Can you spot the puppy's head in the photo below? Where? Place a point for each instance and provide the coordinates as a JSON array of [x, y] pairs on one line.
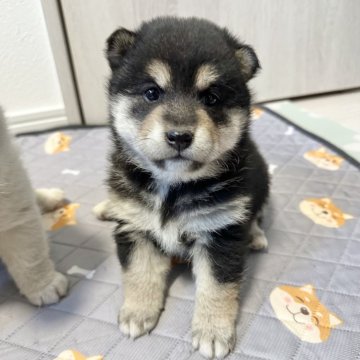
[[178, 94]]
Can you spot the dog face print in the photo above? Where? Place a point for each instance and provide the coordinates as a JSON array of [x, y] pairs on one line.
[[61, 217], [75, 355], [323, 159], [57, 142], [299, 309], [324, 212]]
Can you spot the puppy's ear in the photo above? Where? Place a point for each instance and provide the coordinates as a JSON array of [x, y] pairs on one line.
[[249, 63], [117, 45]]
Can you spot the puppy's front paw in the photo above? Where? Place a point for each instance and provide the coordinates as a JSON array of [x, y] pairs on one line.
[[259, 242], [50, 199], [100, 210], [213, 340], [136, 322], [51, 293]]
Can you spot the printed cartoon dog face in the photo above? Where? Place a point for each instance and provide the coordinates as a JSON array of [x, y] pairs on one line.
[[256, 112], [302, 313], [324, 160], [61, 217], [57, 142], [324, 212], [75, 355]]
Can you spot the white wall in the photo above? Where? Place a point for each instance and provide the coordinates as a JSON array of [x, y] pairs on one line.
[[29, 86]]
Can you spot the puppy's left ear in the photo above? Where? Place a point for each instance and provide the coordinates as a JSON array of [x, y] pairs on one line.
[[249, 63], [117, 45]]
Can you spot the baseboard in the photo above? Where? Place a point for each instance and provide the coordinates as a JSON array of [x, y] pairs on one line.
[[36, 121]]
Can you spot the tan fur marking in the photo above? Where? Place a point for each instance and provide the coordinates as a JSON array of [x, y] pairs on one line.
[[150, 121], [216, 308], [144, 284], [246, 62], [205, 121], [205, 76], [160, 72]]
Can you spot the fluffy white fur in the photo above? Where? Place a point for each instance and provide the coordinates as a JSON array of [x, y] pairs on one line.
[[23, 244]]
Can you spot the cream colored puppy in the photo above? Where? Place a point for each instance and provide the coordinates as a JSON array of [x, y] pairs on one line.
[[23, 245]]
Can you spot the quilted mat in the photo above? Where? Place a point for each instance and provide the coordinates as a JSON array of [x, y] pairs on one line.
[[301, 299]]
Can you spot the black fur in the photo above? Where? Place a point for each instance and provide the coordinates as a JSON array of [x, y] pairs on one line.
[[124, 244], [228, 251]]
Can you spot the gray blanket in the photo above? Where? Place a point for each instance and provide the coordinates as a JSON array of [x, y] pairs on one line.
[[301, 299]]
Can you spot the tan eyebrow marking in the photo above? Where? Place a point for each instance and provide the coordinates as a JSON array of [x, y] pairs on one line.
[[206, 123], [160, 72], [205, 76]]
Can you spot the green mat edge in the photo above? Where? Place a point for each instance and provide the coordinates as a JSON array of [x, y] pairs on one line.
[[342, 138]]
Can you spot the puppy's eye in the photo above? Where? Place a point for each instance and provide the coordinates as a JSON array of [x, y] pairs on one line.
[[152, 94], [210, 99]]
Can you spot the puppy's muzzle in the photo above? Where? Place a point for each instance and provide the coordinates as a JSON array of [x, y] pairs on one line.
[[179, 140]]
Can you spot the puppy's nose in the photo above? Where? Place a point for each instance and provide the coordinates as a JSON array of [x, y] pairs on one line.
[[179, 140]]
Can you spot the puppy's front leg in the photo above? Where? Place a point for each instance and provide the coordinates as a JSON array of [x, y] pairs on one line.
[[144, 278], [216, 304]]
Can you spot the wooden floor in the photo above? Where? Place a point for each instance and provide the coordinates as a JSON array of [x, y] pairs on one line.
[[344, 108]]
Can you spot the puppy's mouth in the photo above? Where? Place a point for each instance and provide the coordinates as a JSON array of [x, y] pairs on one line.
[[176, 158], [179, 159]]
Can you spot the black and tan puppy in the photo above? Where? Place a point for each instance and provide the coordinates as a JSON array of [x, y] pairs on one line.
[[186, 179]]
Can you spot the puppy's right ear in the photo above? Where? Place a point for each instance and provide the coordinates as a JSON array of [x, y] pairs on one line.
[[117, 45], [245, 54]]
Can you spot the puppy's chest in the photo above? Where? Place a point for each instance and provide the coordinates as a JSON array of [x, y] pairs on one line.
[[176, 224], [172, 229]]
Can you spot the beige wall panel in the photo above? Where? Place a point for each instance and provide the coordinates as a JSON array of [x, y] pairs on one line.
[[305, 47]]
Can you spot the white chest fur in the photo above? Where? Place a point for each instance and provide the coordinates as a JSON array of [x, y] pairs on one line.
[[198, 222]]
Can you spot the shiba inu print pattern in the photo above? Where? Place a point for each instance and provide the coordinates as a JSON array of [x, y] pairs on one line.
[[324, 212], [302, 313], [323, 159], [56, 143]]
